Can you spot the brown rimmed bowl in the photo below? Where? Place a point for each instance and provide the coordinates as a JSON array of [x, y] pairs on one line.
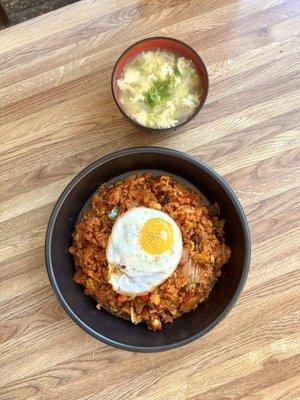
[[107, 327], [164, 43]]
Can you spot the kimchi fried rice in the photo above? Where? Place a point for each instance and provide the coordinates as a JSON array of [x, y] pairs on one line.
[[204, 250]]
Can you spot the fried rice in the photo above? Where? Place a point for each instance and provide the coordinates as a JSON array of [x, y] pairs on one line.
[[204, 250]]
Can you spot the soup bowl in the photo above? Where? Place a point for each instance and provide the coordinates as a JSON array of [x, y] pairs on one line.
[[163, 43]]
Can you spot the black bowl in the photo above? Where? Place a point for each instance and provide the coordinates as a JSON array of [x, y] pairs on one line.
[[107, 327]]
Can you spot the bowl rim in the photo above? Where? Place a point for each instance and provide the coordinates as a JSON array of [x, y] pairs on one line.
[[134, 150], [203, 97]]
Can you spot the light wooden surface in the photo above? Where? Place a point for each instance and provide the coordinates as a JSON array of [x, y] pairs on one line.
[[57, 115]]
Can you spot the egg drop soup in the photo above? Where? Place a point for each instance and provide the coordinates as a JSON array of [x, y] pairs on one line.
[[159, 89]]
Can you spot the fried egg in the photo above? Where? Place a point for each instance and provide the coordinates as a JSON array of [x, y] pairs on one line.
[[143, 250]]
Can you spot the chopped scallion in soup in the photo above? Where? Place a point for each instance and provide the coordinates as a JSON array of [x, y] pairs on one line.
[[159, 89]]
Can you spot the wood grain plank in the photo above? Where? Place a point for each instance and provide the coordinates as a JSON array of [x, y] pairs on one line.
[[57, 116]]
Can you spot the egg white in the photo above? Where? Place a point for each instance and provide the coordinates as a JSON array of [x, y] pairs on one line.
[[133, 271]]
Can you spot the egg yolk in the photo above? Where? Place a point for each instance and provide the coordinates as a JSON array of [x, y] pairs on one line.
[[156, 236]]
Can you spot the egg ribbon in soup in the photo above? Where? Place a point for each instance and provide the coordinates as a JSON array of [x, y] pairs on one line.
[[159, 89]]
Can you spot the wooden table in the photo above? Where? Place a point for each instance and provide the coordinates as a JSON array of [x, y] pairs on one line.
[[57, 115]]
